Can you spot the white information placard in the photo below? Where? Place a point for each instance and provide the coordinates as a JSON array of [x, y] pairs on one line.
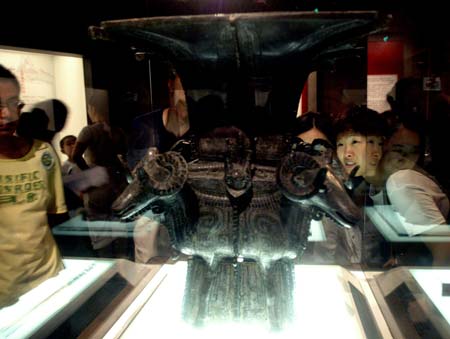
[[378, 87]]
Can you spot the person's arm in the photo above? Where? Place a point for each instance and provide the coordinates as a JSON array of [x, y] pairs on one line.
[[412, 196], [56, 204], [80, 148]]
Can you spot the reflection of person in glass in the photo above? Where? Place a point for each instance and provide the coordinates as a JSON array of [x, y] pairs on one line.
[[155, 132], [342, 245], [412, 192], [161, 128], [359, 147], [30, 187]]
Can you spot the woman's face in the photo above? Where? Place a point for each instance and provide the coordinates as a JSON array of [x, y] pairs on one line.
[[354, 149], [402, 151], [10, 107], [374, 153]]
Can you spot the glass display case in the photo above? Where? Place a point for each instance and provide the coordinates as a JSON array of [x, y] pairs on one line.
[[85, 298], [115, 298], [348, 312], [414, 301], [237, 224]]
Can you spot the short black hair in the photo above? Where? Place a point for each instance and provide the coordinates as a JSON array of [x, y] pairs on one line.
[[6, 74], [62, 141], [362, 120], [310, 119]]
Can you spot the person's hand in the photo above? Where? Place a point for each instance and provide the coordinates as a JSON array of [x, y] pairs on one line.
[[392, 262], [81, 181]]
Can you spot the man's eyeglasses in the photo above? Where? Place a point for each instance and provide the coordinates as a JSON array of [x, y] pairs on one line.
[[12, 105]]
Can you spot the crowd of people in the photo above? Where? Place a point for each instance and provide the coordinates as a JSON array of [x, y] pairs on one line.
[[383, 156], [380, 155]]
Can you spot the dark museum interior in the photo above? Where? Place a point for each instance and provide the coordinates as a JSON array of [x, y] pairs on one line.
[[219, 168]]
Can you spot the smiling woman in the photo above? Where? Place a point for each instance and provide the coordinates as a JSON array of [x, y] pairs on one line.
[[359, 145], [360, 137]]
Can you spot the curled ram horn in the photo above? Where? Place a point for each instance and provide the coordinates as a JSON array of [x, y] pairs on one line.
[[300, 176], [159, 176], [167, 173]]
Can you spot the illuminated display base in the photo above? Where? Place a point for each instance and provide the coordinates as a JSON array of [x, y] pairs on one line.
[[42, 310], [330, 302], [414, 301]]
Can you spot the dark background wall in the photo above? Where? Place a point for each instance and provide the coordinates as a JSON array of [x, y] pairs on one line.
[[63, 27]]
